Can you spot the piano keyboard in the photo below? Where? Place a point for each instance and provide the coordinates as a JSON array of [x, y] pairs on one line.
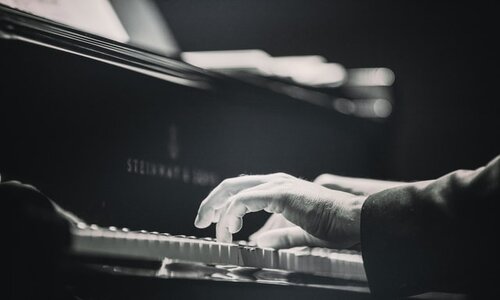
[[94, 240]]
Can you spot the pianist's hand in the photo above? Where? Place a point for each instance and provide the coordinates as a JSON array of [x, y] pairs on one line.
[[30, 195], [321, 216], [269, 233]]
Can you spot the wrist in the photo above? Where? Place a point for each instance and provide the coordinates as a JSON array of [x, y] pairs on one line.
[[355, 208]]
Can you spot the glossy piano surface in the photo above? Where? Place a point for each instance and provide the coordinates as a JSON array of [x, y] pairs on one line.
[[126, 137], [196, 282]]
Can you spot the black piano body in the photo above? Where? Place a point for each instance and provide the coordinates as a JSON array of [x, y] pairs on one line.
[[124, 137]]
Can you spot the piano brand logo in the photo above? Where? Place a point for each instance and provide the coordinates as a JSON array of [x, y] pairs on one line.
[[172, 171], [173, 143]]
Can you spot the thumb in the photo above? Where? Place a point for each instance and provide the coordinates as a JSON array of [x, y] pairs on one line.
[[275, 221], [289, 237]]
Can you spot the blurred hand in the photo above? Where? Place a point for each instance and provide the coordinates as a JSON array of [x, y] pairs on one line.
[[31, 193], [19, 185], [357, 186], [317, 216]]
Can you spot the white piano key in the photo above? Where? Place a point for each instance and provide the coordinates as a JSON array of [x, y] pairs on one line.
[[269, 258], [260, 261], [224, 253], [234, 254], [204, 251], [282, 259], [248, 255], [300, 258], [173, 249], [184, 250], [288, 260], [321, 260], [192, 250], [336, 266], [214, 253]]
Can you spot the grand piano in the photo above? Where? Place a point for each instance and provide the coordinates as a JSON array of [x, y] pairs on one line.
[[131, 140]]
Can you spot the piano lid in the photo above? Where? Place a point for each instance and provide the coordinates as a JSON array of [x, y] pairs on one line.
[[26, 27], [372, 103]]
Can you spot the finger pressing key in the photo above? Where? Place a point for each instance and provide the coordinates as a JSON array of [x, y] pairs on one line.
[[221, 194], [222, 233], [204, 217], [251, 200]]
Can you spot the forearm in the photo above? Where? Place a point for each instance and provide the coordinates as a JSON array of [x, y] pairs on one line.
[[420, 237], [358, 186]]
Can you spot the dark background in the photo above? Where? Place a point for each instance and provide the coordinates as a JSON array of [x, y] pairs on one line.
[[70, 124], [442, 52]]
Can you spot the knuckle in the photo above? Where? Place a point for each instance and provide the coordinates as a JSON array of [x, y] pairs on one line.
[[237, 203], [227, 183], [287, 185], [224, 183], [235, 200], [323, 178], [282, 175], [286, 182]]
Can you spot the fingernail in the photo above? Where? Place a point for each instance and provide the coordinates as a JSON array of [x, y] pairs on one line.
[[197, 221]]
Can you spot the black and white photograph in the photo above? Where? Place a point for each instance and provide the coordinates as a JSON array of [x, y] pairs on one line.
[[250, 149]]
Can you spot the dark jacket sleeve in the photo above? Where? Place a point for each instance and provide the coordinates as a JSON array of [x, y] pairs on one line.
[[433, 236]]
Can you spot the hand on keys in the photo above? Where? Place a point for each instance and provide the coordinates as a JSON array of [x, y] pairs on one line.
[[314, 215], [358, 186]]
